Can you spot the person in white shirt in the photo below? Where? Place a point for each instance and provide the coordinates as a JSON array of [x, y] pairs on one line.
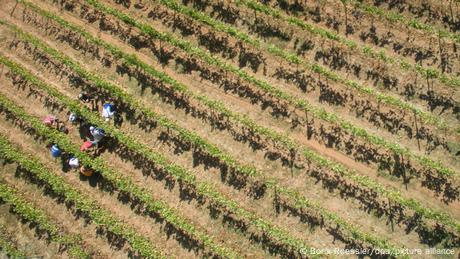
[[74, 163]]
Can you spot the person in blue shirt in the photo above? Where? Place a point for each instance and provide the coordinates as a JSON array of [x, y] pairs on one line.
[[108, 111], [55, 151]]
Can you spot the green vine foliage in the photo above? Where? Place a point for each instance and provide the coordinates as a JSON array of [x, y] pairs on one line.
[[273, 91], [296, 199], [27, 211], [125, 185], [7, 245], [391, 194]]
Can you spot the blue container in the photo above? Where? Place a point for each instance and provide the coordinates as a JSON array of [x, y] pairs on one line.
[[55, 151]]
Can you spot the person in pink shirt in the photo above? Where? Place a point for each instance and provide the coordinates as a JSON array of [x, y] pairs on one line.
[[53, 121], [86, 145], [50, 120]]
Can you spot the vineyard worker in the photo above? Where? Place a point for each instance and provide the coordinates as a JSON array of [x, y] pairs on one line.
[[73, 118], [86, 171], [86, 145], [50, 120], [55, 151], [108, 111], [97, 133], [86, 98], [74, 163], [63, 129]]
